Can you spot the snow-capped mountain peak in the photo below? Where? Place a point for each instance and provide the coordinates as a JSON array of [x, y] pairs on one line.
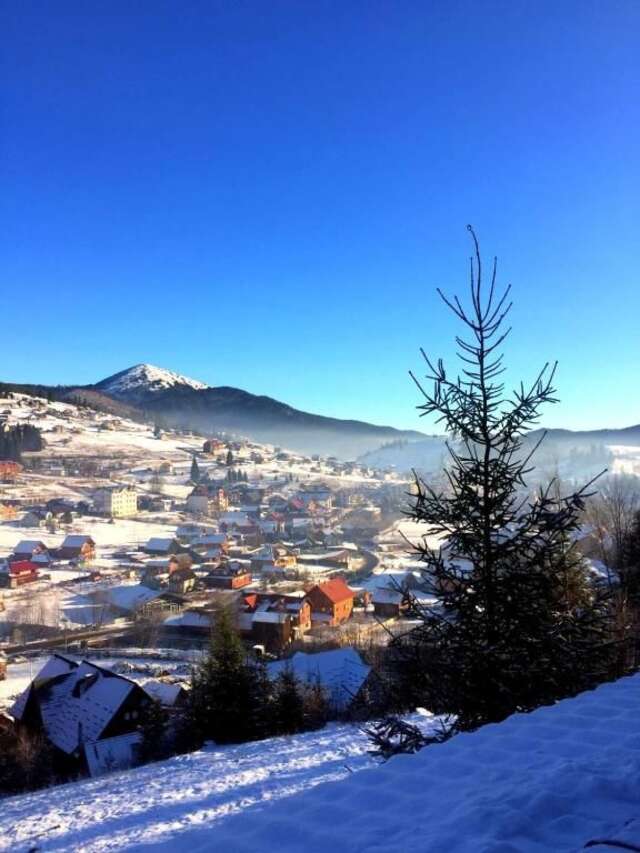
[[145, 379]]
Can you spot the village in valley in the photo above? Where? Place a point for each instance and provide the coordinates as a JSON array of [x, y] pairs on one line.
[[121, 541]]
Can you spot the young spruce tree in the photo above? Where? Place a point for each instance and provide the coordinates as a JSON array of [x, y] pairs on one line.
[[228, 697], [519, 622]]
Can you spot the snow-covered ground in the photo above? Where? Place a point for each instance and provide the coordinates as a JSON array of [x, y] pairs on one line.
[[123, 532], [547, 781], [19, 677], [166, 802]]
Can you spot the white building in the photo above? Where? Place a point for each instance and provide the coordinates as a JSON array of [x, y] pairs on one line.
[[117, 501]]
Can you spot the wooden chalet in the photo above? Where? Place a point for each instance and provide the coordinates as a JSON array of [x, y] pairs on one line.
[[331, 602], [228, 575], [274, 621], [159, 547], [89, 715], [389, 603], [77, 547], [182, 580]]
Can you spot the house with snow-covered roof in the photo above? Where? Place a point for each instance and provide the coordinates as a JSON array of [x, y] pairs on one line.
[[169, 694], [126, 599], [274, 620], [341, 672], [274, 556], [161, 547], [29, 549], [75, 705], [77, 547], [191, 530], [190, 623], [389, 602]]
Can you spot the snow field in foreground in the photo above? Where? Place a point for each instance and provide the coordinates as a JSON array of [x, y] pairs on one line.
[[167, 801], [546, 781]]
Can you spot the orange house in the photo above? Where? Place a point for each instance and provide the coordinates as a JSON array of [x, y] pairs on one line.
[[9, 471], [331, 602], [8, 512]]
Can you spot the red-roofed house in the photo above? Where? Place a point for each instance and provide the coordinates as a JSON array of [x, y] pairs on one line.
[[18, 573], [331, 602]]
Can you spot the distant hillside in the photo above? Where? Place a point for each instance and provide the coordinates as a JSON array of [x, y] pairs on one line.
[[626, 435], [268, 421], [153, 393], [426, 455], [571, 454], [78, 395]]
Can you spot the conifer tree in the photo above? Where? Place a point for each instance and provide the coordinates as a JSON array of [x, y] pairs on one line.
[[519, 622], [629, 571], [289, 714], [195, 471], [226, 700], [153, 729], [316, 705]]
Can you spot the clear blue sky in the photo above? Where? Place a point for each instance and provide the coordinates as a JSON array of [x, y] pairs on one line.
[[265, 194]]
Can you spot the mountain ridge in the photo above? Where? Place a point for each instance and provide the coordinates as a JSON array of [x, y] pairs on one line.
[[156, 394], [187, 403], [148, 392], [143, 379]]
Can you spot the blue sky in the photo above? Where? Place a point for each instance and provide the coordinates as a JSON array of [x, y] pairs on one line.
[[266, 194]]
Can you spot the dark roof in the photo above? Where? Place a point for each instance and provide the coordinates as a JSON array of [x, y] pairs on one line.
[[76, 700]]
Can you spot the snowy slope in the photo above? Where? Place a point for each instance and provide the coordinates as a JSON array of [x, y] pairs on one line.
[[143, 379], [167, 801], [546, 781]]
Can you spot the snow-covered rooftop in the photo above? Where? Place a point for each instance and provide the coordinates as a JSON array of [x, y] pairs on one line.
[[76, 700], [189, 619], [128, 597], [341, 671], [165, 693]]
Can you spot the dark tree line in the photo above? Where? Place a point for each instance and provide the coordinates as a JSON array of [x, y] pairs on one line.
[[236, 475], [519, 623], [19, 439]]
